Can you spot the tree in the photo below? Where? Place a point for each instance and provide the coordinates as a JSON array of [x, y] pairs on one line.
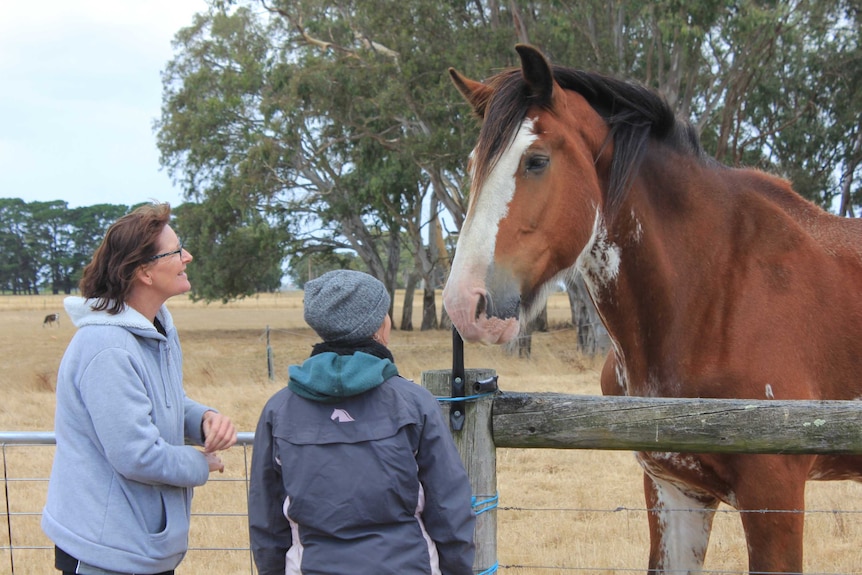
[[301, 149], [47, 244], [52, 236], [19, 268], [237, 252]]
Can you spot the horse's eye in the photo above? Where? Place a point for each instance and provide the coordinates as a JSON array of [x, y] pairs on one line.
[[536, 163]]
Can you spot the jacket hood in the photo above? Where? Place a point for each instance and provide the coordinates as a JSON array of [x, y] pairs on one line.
[[82, 314], [330, 377]]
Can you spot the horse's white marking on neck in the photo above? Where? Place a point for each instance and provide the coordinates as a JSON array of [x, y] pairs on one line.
[[599, 260], [638, 234], [478, 236], [621, 372]]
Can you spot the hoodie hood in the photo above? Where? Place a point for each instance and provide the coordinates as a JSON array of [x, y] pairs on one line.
[[329, 377], [82, 314]]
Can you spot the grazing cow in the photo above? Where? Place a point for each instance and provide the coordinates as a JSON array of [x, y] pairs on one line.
[[51, 319]]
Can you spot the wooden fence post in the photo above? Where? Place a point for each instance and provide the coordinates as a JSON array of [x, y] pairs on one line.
[[475, 443], [270, 369]]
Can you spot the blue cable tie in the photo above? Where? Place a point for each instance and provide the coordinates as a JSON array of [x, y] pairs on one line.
[[489, 570], [466, 397], [485, 504]]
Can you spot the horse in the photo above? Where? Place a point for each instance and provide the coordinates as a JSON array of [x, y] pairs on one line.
[[712, 281], [51, 319]]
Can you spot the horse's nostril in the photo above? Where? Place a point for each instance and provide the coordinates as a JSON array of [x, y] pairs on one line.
[[480, 306]]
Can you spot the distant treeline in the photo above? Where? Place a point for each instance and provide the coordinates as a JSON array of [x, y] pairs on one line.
[[44, 246]]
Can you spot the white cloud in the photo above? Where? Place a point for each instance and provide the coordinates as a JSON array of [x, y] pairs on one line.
[[81, 90]]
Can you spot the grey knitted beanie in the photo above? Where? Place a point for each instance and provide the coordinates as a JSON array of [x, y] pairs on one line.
[[345, 305]]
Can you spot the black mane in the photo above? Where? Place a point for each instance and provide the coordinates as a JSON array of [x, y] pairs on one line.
[[633, 113]]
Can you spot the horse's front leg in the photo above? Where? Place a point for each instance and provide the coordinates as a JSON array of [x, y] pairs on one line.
[[680, 522], [770, 482]]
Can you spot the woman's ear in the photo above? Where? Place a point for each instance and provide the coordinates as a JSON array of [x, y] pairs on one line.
[[143, 275]]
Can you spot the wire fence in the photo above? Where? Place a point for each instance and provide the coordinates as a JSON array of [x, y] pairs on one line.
[[219, 538]]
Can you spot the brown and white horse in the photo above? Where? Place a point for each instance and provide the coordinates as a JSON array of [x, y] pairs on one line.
[[711, 281]]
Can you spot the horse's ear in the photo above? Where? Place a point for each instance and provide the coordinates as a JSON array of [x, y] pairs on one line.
[[476, 93], [537, 74]]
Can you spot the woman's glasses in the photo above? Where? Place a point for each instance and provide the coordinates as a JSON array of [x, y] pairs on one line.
[[166, 254]]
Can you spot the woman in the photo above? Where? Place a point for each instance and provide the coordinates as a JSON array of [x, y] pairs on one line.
[[120, 491], [354, 469]]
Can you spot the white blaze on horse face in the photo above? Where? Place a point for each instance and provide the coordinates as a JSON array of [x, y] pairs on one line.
[[474, 253], [479, 236], [599, 260]]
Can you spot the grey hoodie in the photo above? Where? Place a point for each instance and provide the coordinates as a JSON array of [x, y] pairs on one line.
[[120, 491]]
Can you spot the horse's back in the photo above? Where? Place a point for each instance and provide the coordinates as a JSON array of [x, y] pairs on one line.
[[835, 234], [770, 305]]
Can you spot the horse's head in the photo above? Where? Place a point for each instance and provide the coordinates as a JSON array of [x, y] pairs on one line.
[[538, 173]]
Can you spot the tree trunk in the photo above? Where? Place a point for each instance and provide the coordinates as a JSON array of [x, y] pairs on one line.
[[407, 312], [524, 342], [429, 309], [585, 319]]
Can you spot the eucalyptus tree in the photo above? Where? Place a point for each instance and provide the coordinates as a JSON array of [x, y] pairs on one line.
[[241, 130], [19, 266], [50, 235], [333, 119], [237, 251]]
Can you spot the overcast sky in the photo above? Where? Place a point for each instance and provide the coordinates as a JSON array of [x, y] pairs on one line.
[[79, 91]]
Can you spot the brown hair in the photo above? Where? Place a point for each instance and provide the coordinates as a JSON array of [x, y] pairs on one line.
[[128, 244]]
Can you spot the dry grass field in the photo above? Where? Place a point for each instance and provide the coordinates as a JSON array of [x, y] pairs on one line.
[[560, 511]]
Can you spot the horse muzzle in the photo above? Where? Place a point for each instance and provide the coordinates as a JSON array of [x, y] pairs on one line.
[[486, 313]]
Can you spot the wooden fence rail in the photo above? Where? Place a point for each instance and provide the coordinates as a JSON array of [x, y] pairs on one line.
[[560, 421]]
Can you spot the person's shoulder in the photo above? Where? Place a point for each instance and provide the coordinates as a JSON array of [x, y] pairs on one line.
[[409, 388], [278, 399], [103, 336], [99, 345]]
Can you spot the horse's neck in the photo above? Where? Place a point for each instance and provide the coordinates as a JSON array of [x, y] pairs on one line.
[[688, 238], [715, 268]]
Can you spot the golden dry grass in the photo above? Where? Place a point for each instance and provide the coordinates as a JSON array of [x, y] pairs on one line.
[[557, 506]]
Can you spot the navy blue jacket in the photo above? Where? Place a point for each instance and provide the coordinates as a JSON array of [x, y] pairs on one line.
[[369, 483]]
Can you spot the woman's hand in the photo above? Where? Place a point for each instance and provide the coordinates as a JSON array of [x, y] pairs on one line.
[[214, 461], [219, 432]]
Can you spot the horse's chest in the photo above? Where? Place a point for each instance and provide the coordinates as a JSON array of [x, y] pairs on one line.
[[693, 474]]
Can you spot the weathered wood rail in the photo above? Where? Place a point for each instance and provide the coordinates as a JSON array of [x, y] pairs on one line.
[[558, 421]]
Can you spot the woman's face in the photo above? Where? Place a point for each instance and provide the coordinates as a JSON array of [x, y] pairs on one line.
[[168, 270]]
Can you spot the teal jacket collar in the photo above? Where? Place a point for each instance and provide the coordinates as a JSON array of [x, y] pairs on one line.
[[329, 377]]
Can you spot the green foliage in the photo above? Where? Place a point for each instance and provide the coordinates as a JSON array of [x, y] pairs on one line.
[[45, 245], [236, 252]]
